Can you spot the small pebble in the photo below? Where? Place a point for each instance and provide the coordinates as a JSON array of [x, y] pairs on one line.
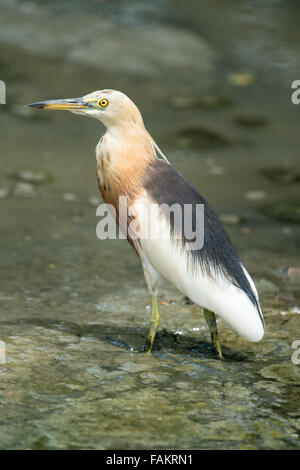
[[241, 79], [94, 201], [24, 190], [295, 309], [246, 230], [217, 170], [293, 271], [231, 219], [255, 195], [4, 192], [70, 197], [178, 332]]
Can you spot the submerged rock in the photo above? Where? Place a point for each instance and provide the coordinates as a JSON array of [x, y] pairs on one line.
[[251, 121], [201, 137], [283, 212], [281, 175], [214, 168]]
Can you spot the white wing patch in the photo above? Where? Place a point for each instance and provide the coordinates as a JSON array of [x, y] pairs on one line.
[[218, 295]]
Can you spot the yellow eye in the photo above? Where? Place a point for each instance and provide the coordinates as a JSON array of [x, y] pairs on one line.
[[103, 103]]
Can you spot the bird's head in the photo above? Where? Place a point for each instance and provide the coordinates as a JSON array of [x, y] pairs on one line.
[[111, 107]]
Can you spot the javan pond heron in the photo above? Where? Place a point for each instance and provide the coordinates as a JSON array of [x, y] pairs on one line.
[[131, 165]]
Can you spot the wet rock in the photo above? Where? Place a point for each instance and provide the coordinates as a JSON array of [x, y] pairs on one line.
[[201, 102], [216, 170], [150, 377], [187, 301], [201, 137], [136, 366], [117, 390], [283, 372], [97, 371], [35, 177], [281, 175], [283, 212], [270, 386], [287, 272]]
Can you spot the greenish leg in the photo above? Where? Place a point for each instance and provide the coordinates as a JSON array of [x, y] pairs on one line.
[[154, 320], [212, 325]]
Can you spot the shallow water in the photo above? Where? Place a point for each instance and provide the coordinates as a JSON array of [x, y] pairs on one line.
[[74, 309]]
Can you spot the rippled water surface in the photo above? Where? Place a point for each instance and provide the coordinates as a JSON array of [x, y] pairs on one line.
[[213, 83]]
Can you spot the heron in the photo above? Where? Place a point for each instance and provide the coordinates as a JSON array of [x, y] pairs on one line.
[[131, 166]]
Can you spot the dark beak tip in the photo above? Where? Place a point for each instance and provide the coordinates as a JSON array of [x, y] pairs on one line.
[[35, 105]]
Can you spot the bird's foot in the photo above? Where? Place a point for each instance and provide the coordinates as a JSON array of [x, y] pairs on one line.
[[212, 325], [217, 345], [154, 320]]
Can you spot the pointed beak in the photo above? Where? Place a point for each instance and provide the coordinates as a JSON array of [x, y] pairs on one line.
[[69, 104]]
